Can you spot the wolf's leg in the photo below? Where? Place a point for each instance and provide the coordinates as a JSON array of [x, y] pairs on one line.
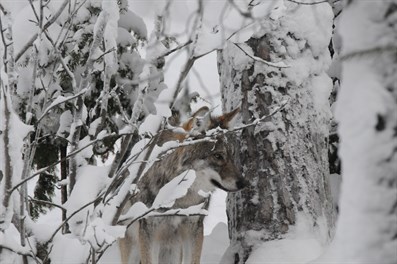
[[129, 246], [193, 241], [146, 241], [125, 246], [170, 253], [197, 244]]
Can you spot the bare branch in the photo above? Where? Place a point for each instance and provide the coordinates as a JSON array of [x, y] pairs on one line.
[[31, 199], [311, 3], [263, 118], [97, 199], [48, 109], [177, 48], [369, 52], [71, 154], [47, 25], [16, 251], [255, 58], [2, 9]]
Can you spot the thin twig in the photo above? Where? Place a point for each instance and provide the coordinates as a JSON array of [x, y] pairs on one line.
[[255, 58], [3, 9], [176, 48], [21, 253], [257, 121], [71, 154], [31, 199], [311, 3], [368, 52], [47, 25], [47, 110], [98, 198]]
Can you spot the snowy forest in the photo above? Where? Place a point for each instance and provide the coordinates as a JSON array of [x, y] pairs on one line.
[[198, 131]]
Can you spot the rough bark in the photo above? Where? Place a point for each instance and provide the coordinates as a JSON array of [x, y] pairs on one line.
[[284, 159]]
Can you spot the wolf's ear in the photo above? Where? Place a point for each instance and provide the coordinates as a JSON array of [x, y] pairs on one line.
[[225, 121], [192, 121]]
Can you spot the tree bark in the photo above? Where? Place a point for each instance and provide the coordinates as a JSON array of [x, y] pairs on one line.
[[285, 158]]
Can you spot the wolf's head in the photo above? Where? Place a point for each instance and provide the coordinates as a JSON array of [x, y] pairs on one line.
[[213, 161]]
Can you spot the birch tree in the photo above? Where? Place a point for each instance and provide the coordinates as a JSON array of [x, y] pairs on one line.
[[285, 158], [367, 115]]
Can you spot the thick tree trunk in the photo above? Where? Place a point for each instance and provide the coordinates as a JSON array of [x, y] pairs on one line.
[[367, 115], [285, 158]]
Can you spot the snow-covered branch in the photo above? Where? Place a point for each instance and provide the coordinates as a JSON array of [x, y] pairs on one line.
[[58, 101], [20, 250], [308, 3], [97, 199], [261, 119], [256, 58], [70, 155]]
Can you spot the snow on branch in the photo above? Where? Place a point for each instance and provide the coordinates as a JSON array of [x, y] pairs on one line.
[[60, 100], [97, 199], [194, 210], [309, 3], [174, 189], [70, 155], [165, 199], [256, 58], [17, 249], [261, 119]]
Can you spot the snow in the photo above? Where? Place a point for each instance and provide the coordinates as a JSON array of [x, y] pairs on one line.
[[321, 88], [83, 156], [10, 239], [46, 225], [298, 246], [367, 217], [132, 22], [215, 244], [191, 210], [174, 189], [90, 181], [67, 249], [110, 35], [16, 132], [151, 124], [99, 235], [157, 151], [137, 210], [24, 29], [216, 211], [207, 41], [124, 38]]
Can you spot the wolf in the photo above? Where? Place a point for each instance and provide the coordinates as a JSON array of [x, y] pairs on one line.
[[179, 239]]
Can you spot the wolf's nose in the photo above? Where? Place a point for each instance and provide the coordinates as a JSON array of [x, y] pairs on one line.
[[242, 183]]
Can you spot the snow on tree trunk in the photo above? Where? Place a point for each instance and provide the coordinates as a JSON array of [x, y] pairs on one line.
[[12, 134], [285, 158], [367, 114]]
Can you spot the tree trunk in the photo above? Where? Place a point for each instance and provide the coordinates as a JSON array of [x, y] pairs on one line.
[[367, 115], [285, 158]]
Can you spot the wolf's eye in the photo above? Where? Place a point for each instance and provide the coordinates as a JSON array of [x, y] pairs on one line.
[[218, 157]]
